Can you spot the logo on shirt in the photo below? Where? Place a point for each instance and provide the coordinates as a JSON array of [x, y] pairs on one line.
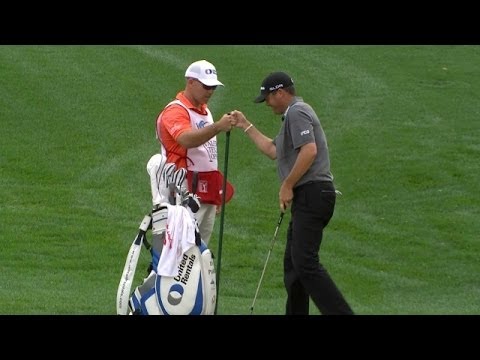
[[305, 132]]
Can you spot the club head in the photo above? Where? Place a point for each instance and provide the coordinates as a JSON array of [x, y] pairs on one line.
[[167, 173], [180, 176], [154, 168]]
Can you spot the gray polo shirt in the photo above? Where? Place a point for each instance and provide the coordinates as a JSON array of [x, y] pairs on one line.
[[301, 126]]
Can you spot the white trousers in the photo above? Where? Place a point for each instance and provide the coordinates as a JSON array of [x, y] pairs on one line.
[[206, 220]]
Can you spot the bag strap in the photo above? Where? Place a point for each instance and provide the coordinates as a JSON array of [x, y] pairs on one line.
[[194, 181]]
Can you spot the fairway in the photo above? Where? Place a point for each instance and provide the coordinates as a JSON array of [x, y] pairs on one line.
[[402, 123]]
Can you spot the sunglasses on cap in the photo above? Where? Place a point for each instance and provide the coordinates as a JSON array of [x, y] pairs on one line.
[[206, 87]]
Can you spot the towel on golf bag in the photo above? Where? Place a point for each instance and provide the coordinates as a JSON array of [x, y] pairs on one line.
[[179, 238], [191, 292]]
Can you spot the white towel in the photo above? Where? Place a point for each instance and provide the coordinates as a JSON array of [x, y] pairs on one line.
[[179, 238]]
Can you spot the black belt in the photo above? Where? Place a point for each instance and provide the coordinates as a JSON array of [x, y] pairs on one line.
[[327, 184]]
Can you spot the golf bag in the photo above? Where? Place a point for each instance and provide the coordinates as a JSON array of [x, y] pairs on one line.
[[181, 274], [191, 291]]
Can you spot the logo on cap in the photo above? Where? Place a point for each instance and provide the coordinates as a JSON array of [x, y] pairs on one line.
[[276, 87]]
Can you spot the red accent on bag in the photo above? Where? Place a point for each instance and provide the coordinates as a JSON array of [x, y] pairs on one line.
[[209, 187]]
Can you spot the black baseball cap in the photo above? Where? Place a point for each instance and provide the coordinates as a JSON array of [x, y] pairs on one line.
[[272, 82]]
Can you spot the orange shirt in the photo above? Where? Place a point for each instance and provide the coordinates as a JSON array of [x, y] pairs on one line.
[[175, 121]]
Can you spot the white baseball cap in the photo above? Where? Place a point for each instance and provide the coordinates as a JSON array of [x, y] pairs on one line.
[[204, 72]]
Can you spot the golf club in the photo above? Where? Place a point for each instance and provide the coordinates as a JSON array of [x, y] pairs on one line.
[[222, 217], [266, 261]]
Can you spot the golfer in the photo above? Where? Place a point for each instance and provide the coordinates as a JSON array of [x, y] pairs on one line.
[[307, 187]]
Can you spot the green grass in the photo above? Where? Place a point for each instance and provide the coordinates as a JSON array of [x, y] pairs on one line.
[[402, 127]]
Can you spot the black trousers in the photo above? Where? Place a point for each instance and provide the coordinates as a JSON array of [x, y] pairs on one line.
[[304, 276]]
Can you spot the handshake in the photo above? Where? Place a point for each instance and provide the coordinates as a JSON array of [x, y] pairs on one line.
[[233, 119]]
